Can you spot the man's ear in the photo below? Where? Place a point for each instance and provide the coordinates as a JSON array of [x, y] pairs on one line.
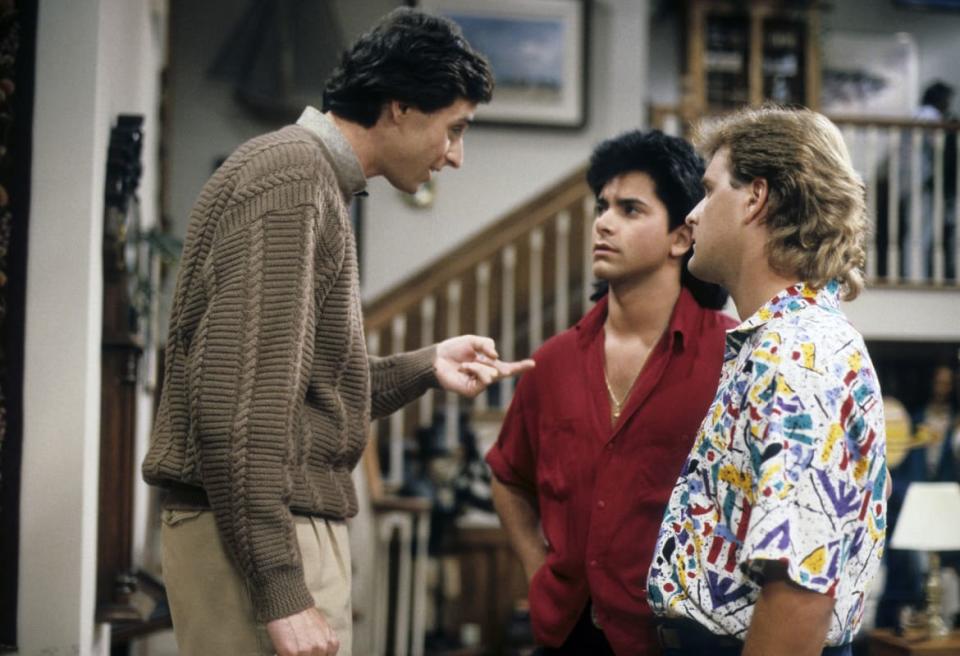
[[758, 200], [681, 239], [397, 110]]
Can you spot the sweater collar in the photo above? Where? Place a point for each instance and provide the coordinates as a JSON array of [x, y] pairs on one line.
[[347, 167]]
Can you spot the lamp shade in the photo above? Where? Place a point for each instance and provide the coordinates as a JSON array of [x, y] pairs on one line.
[[929, 519]]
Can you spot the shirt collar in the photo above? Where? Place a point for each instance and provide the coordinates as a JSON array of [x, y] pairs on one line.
[[346, 166], [789, 301], [682, 320]]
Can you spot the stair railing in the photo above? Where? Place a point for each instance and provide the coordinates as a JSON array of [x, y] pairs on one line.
[[520, 280]]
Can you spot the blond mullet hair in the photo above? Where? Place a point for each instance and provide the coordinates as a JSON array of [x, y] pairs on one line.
[[817, 219]]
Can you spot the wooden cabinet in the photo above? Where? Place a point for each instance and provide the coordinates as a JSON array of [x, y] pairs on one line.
[[748, 52], [492, 583], [883, 642]]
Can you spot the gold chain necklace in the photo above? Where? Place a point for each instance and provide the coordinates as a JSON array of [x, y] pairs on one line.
[[617, 403]]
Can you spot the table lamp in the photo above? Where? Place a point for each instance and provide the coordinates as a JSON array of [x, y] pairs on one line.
[[930, 521]]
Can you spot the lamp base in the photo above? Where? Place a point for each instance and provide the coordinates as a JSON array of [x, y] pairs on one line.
[[936, 627]]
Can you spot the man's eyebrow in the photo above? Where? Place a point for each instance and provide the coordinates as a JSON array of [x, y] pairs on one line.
[[630, 200]]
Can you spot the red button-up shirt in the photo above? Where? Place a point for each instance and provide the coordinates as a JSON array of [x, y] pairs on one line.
[[602, 489]]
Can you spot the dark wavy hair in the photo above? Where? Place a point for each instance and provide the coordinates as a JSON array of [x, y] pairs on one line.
[[676, 171], [410, 56]]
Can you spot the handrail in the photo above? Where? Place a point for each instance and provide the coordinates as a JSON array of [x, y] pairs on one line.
[[475, 249], [886, 122], [659, 111]]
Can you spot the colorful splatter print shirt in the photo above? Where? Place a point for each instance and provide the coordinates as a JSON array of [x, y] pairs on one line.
[[788, 465]]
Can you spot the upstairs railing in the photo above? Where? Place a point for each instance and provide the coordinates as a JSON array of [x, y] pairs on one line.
[[520, 280], [911, 173]]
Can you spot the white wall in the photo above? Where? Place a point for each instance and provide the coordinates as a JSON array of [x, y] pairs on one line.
[[205, 121], [504, 167], [95, 58], [922, 315]]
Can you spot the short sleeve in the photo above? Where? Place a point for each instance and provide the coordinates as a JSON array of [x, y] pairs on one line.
[[513, 457], [815, 469]]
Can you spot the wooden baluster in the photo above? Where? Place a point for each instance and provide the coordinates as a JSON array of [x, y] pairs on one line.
[[373, 343], [956, 219], [428, 314], [894, 137], [483, 319], [589, 208], [672, 124], [937, 242], [398, 328], [507, 347], [870, 180], [917, 266], [535, 304], [851, 138], [561, 285], [849, 134], [451, 408]]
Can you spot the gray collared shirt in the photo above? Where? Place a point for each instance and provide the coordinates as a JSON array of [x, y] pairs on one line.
[[347, 167]]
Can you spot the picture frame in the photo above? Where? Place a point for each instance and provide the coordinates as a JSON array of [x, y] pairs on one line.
[[869, 74], [538, 52]]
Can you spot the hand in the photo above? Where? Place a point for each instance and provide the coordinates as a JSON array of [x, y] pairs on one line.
[[303, 634], [469, 364]]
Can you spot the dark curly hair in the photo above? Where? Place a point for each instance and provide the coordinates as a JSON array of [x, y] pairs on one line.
[[410, 56], [676, 171]]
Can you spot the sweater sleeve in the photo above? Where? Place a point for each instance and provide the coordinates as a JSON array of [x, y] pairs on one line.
[[250, 377], [399, 379]]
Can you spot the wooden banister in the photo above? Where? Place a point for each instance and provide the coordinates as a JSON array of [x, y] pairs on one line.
[[478, 248], [884, 122], [659, 114]]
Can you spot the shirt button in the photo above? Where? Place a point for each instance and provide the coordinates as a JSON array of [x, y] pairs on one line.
[[593, 563], [601, 504]]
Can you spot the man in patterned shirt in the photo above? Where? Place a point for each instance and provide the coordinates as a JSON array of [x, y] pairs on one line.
[[776, 525]]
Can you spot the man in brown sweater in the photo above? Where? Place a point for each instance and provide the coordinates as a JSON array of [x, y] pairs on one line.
[[268, 389]]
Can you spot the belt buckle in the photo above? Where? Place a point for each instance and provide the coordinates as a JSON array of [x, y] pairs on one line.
[[669, 638]]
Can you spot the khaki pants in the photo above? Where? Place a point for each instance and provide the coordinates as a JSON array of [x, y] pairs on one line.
[[210, 603]]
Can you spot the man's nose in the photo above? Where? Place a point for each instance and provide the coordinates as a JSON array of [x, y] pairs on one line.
[[454, 156], [602, 223]]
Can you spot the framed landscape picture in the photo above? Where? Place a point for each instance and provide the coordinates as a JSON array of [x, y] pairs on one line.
[[538, 51]]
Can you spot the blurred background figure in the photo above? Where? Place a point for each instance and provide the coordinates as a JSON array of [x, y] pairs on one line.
[[934, 107]]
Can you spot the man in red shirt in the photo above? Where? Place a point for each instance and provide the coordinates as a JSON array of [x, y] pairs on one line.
[[596, 435]]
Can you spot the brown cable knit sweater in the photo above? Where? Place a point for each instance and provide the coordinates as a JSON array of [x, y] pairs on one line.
[[268, 389]]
